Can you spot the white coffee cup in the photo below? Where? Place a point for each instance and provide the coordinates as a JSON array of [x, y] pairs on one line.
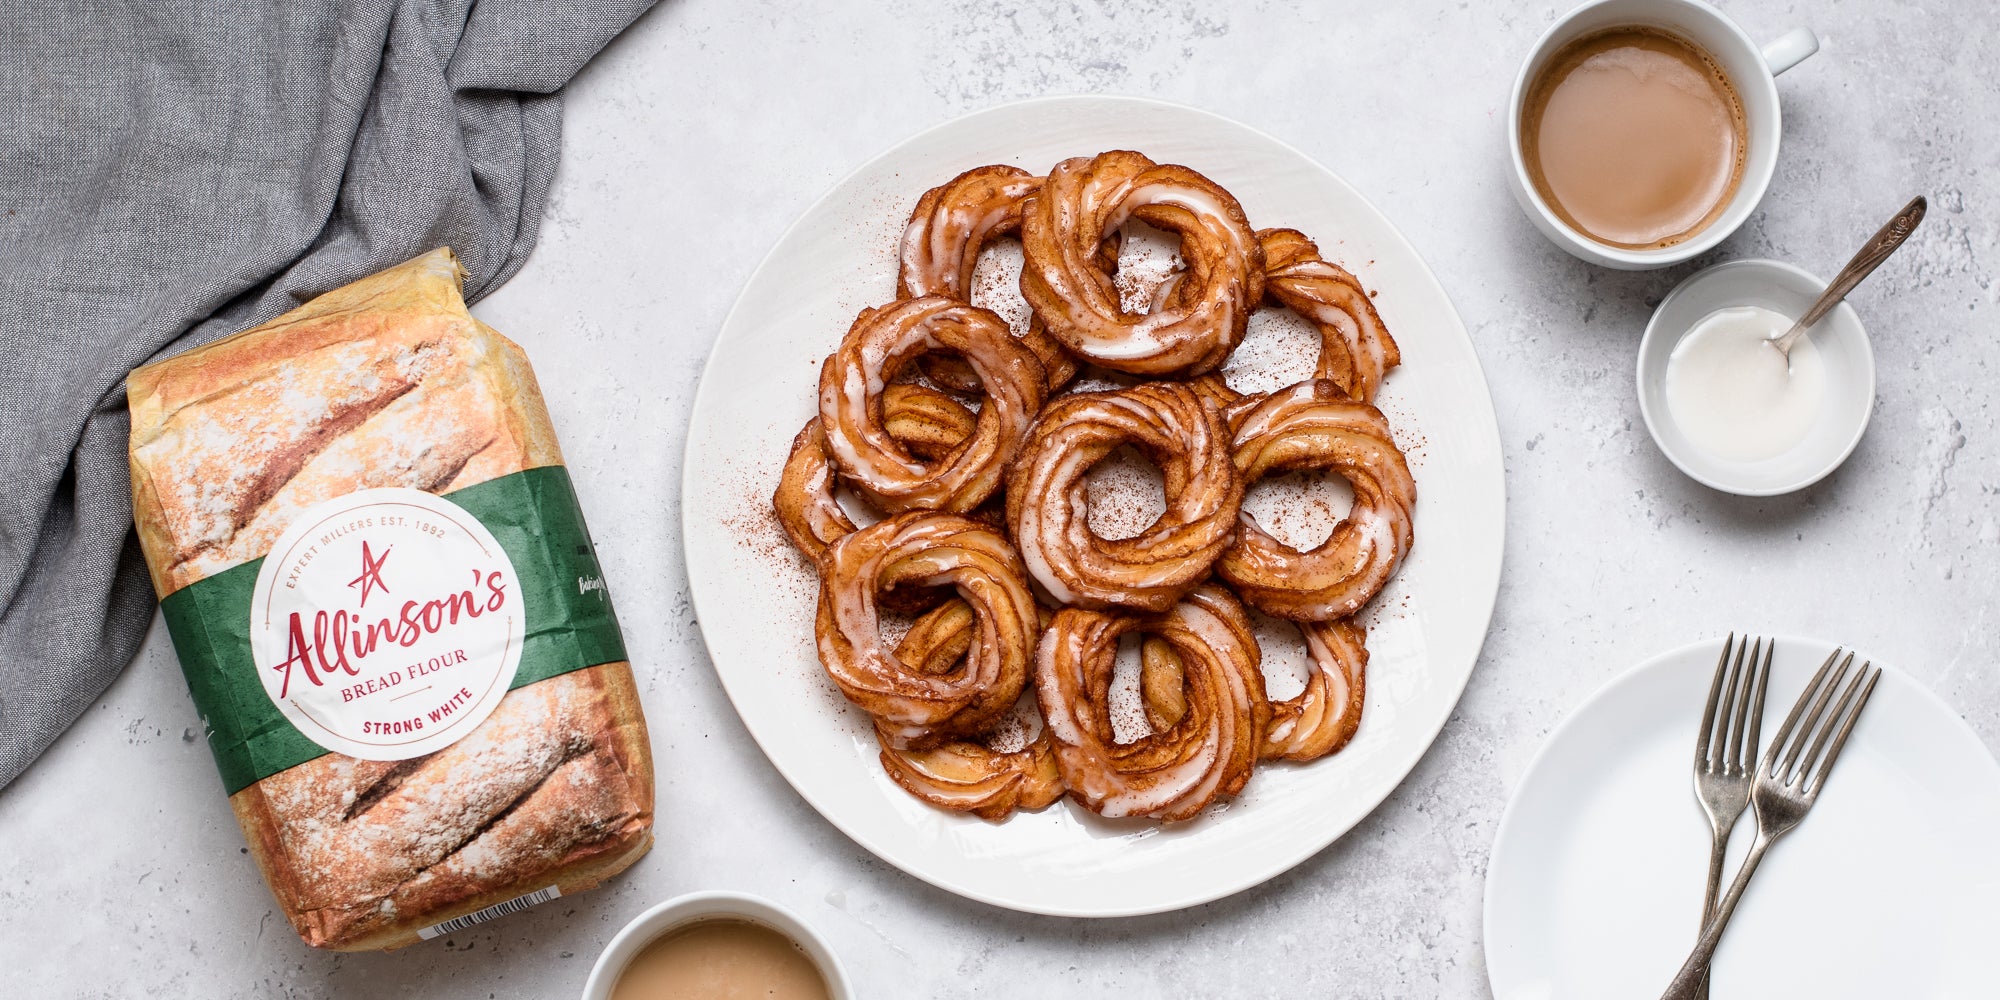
[[695, 907], [1752, 70]]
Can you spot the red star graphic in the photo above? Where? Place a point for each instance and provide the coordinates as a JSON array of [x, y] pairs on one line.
[[371, 572]]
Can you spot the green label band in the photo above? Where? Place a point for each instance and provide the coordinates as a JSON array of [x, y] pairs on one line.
[[570, 624]]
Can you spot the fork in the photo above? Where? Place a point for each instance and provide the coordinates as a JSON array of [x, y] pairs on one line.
[[1789, 779], [1725, 752]]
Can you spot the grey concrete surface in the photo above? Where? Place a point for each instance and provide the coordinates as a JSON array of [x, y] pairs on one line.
[[700, 135]]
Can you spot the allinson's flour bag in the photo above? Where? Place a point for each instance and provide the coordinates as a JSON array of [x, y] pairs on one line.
[[390, 613]]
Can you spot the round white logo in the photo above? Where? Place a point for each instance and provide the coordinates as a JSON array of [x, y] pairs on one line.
[[386, 623]]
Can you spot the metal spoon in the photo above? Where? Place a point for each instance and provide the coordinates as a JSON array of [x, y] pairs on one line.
[[1880, 246]]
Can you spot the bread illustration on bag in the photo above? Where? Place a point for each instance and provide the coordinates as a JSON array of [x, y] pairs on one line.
[[390, 613]]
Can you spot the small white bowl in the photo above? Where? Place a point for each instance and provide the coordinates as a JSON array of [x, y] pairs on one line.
[[680, 911], [1850, 370]]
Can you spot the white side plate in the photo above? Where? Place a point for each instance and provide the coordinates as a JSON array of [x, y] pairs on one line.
[[1885, 890], [754, 596]]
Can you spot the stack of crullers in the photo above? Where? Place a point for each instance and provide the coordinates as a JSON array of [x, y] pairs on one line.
[[963, 435]]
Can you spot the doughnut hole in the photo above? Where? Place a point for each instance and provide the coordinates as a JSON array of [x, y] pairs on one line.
[[1148, 258], [1126, 704], [1016, 729], [1127, 494], [1279, 349], [1286, 667], [1299, 509], [996, 283]]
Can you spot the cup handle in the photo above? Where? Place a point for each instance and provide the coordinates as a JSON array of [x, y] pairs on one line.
[[1790, 49]]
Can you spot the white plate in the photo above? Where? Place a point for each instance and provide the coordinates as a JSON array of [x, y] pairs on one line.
[[754, 597], [1885, 890]]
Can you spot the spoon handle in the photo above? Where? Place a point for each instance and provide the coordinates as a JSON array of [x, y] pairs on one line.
[[1879, 247]]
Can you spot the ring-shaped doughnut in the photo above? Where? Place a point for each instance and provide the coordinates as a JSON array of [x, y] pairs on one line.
[[1048, 504], [968, 776], [1321, 719], [965, 775], [924, 549], [1313, 425], [951, 224], [1202, 317], [875, 349], [804, 500], [1356, 350], [926, 421], [1172, 773], [1316, 722]]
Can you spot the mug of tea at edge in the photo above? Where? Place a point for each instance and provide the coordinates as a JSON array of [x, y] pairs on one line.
[[1644, 132], [662, 924]]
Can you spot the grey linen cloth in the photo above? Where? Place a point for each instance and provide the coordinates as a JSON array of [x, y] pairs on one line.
[[174, 172]]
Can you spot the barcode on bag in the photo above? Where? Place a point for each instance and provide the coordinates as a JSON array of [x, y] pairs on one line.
[[515, 905]]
